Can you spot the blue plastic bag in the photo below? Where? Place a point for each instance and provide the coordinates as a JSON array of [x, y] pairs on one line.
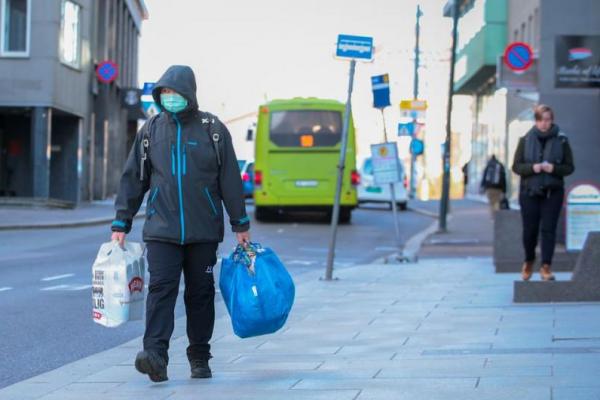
[[257, 289]]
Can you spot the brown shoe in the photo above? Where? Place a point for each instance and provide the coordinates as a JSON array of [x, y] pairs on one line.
[[527, 270], [546, 273]]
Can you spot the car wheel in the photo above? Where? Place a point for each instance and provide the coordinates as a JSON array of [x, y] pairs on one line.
[[402, 206], [345, 215]]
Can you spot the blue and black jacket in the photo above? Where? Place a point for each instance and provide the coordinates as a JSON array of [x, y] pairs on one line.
[[188, 182]]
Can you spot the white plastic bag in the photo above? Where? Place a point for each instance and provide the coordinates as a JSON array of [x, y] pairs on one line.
[[118, 284]]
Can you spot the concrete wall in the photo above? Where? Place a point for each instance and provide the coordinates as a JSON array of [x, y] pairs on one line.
[[577, 110]]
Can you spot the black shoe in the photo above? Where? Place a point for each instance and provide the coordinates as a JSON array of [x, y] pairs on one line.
[[152, 364], [200, 369]]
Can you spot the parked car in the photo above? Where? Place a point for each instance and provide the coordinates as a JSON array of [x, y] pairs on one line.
[[247, 171], [370, 192]]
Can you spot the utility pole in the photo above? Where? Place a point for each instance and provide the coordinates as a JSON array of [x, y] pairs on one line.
[[413, 157], [444, 204]]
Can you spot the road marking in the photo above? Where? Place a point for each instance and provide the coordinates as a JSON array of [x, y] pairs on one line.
[[386, 248], [57, 287], [280, 230], [56, 277], [80, 287], [301, 262], [4, 289]]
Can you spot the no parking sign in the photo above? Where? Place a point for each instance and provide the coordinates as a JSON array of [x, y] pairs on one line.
[[518, 56]]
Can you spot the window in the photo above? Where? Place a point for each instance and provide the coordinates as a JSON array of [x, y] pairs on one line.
[[304, 128], [70, 33], [16, 16]]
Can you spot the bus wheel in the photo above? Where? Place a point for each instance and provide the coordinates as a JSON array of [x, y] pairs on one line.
[[261, 213], [345, 215]]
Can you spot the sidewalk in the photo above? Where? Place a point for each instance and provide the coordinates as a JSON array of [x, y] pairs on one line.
[[432, 330], [470, 231], [439, 329], [86, 214]]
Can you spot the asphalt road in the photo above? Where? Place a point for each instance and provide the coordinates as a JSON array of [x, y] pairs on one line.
[[45, 281]]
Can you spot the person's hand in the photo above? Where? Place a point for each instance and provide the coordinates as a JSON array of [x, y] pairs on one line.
[[243, 237], [547, 167], [537, 168], [119, 237]]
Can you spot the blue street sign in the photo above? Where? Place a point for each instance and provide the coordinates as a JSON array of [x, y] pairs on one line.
[[148, 86], [417, 147], [381, 90], [355, 47], [406, 129]]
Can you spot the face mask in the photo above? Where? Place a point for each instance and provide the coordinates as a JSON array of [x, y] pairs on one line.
[[173, 102]]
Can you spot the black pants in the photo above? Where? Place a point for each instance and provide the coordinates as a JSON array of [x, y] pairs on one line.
[[165, 263], [541, 211]]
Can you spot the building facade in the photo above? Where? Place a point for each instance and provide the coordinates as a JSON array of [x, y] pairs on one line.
[[61, 127], [502, 108]]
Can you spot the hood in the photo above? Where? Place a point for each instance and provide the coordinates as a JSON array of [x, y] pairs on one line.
[[181, 79]]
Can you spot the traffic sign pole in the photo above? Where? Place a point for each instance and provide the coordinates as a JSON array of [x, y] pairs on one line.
[[392, 189], [338, 190], [413, 157]]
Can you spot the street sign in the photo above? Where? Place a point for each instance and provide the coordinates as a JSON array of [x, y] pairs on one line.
[[148, 105], [518, 56], [386, 164], [415, 105], [107, 71], [406, 129], [417, 147], [583, 214], [381, 90], [355, 47], [147, 89], [525, 81], [413, 109]]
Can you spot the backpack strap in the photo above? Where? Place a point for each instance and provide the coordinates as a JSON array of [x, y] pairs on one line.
[[145, 144], [215, 135]]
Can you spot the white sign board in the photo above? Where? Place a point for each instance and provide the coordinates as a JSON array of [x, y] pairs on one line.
[[386, 165], [583, 214]]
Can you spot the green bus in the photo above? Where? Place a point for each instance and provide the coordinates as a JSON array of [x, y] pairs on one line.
[[297, 150]]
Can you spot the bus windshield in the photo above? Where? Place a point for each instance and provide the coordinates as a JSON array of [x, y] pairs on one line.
[[306, 128]]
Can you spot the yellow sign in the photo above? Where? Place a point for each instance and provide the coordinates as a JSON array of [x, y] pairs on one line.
[[414, 105], [383, 151], [307, 140]]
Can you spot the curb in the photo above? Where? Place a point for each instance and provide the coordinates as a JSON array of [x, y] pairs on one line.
[[424, 212], [412, 247], [74, 224]]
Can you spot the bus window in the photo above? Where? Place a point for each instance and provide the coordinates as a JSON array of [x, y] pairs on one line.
[[291, 128]]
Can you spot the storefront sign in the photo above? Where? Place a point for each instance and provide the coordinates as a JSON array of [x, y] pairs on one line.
[[577, 61], [583, 214]]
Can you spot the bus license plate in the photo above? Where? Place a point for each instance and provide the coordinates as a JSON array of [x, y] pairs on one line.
[[307, 183], [374, 189]]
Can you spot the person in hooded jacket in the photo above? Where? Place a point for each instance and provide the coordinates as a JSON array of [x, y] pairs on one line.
[[186, 161], [543, 158]]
